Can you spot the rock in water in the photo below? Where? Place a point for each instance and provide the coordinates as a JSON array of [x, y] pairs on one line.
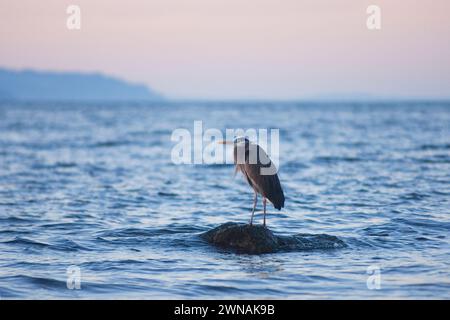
[[242, 238], [256, 239]]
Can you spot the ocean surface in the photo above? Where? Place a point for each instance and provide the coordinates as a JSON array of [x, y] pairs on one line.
[[92, 188]]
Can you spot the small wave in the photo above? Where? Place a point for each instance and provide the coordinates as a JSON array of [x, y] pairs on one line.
[[62, 245], [443, 146], [441, 193], [26, 242], [126, 232], [103, 265], [217, 165], [422, 239], [218, 186], [56, 165], [330, 159], [294, 165], [388, 229], [17, 220], [356, 144], [414, 196], [65, 164], [401, 232], [204, 288], [358, 242], [167, 194], [52, 166], [67, 225], [68, 245], [42, 282], [9, 293], [425, 223], [151, 232], [162, 132], [435, 159], [109, 144]]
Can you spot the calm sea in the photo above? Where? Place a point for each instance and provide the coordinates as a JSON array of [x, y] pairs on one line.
[[91, 189]]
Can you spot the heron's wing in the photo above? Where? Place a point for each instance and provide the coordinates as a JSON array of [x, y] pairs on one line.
[[241, 168], [266, 184]]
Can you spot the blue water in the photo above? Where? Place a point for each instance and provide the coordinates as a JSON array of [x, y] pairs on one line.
[[93, 186]]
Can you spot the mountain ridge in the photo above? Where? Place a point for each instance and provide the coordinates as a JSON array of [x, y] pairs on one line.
[[30, 84]]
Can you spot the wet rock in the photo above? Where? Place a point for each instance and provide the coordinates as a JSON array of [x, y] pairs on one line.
[[242, 238], [257, 239]]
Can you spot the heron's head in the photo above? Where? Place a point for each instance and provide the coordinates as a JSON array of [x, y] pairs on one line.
[[241, 140], [237, 141]]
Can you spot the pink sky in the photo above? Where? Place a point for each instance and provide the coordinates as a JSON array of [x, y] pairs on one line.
[[281, 49]]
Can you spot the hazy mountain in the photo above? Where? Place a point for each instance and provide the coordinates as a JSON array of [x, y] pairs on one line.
[[38, 85]]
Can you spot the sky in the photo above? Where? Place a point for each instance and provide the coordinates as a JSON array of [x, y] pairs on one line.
[[236, 49]]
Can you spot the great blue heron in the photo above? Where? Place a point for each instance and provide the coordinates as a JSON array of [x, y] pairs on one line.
[[259, 172]]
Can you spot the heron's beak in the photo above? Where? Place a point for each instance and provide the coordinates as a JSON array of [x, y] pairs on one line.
[[225, 142]]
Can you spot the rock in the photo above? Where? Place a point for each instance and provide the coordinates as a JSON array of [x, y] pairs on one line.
[[242, 238], [256, 239]]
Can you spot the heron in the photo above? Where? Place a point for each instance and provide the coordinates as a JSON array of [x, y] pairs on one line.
[[251, 160]]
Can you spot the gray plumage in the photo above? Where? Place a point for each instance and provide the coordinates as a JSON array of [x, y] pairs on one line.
[[251, 159]]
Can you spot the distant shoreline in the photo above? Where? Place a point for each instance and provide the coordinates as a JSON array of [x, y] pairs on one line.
[[31, 85], [224, 103]]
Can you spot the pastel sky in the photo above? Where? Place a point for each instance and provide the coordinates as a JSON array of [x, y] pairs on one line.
[[234, 49]]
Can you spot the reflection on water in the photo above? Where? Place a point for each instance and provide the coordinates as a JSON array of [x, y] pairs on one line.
[[93, 186]]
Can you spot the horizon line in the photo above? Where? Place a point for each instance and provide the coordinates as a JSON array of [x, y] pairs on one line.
[[318, 97]]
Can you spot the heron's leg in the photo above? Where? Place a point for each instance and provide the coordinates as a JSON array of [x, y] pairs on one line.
[[254, 206], [264, 203]]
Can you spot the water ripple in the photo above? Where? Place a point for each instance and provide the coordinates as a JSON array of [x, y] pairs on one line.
[[94, 186]]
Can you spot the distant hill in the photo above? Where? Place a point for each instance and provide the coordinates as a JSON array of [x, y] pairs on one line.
[[38, 85]]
